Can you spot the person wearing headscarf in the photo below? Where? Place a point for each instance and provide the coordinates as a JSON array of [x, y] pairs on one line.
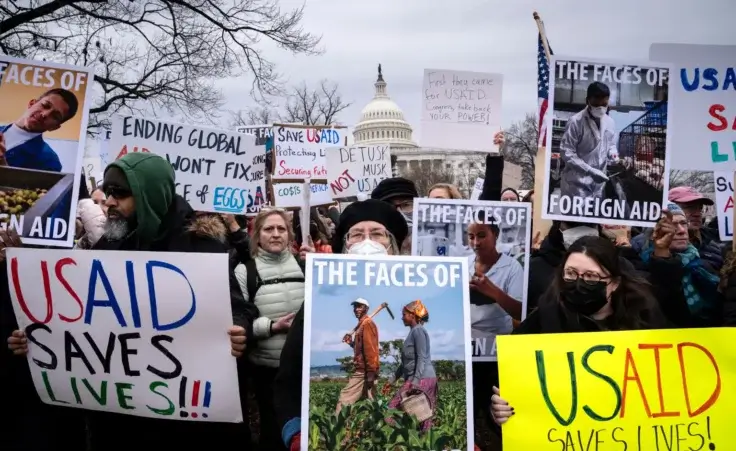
[[416, 367]]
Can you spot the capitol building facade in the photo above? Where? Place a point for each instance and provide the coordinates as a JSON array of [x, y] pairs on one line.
[[382, 121]]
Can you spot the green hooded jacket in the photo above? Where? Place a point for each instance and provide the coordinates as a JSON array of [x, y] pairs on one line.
[[151, 179]]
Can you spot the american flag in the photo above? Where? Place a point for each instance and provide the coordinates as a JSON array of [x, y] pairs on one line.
[[542, 88]]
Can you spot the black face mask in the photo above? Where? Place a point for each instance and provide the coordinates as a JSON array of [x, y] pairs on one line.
[[584, 298]]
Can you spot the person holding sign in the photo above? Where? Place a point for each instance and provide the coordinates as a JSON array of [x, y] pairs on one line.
[[144, 213], [364, 228], [592, 291]]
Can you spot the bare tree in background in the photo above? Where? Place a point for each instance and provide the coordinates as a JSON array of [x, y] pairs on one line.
[[521, 147], [318, 106], [302, 105], [253, 116], [425, 175], [700, 180], [157, 55]]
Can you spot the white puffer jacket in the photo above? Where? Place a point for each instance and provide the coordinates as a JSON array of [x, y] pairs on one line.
[[273, 301], [93, 219]]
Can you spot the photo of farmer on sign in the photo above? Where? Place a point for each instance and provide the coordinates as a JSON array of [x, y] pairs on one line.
[[43, 123], [387, 349], [607, 159]]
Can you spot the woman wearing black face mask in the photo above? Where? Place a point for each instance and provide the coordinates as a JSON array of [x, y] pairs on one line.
[[592, 291]]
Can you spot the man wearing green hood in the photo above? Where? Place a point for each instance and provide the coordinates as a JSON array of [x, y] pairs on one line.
[[144, 213]]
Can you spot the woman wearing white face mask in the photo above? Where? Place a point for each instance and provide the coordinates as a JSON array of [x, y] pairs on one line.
[[587, 145], [369, 227]]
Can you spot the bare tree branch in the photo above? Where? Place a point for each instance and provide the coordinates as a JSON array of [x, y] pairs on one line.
[[318, 106], [301, 105], [700, 180], [157, 55], [521, 147]]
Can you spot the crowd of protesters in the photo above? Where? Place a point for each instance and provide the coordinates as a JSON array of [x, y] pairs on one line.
[[675, 275]]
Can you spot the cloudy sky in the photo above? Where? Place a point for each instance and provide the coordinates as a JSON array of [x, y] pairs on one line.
[[478, 35]]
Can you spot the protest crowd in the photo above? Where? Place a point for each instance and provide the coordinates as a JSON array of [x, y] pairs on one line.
[[670, 272]]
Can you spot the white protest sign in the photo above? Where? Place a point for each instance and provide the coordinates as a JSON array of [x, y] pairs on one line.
[[445, 227], [289, 195], [358, 169], [461, 110], [300, 151], [701, 105], [304, 212], [216, 170], [724, 204], [138, 333], [477, 189]]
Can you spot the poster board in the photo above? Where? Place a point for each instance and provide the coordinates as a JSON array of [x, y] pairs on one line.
[[723, 182], [39, 178], [136, 333], [356, 170], [300, 151], [477, 189], [290, 196], [461, 110], [333, 283], [636, 390], [445, 227], [218, 171], [617, 176], [702, 105]]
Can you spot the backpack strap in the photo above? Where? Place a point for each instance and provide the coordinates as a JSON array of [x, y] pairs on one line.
[[253, 281]]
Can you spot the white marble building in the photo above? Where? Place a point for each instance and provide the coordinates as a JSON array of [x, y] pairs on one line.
[[382, 121]]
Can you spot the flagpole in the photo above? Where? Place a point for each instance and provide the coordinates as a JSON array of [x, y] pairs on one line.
[[543, 33]]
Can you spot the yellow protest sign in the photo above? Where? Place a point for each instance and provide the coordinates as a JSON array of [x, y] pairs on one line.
[[663, 390]]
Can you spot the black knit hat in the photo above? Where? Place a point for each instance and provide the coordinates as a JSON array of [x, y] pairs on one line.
[[369, 210], [394, 187]]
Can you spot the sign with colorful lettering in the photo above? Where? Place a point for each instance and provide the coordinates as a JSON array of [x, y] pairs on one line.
[[649, 390], [139, 333], [300, 151], [724, 204], [357, 170], [218, 171], [702, 105]]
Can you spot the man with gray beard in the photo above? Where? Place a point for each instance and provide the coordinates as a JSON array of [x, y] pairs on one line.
[[144, 213]]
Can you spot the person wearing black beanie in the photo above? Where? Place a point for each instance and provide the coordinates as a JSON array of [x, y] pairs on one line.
[[374, 221]]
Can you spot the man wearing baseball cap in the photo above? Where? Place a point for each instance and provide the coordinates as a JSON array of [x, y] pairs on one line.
[[361, 384], [692, 202]]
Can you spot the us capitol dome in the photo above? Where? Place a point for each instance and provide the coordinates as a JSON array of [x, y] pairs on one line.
[[382, 121]]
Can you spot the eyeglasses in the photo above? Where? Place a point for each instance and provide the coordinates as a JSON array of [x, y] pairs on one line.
[[374, 235], [117, 192], [589, 277]]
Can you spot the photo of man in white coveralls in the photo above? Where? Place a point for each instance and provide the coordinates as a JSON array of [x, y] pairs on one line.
[[587, 145]]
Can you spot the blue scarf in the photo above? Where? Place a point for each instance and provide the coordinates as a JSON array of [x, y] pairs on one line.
[[690, 260]]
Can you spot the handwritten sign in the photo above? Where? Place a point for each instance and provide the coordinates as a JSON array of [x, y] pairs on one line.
[[216, 170], [139, 333], [300, 151], [289, 195], [702, 105], [724, 204], [358, 169], [461, 110], [605, 391]]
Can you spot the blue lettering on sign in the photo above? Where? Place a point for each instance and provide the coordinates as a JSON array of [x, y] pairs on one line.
[[441, 250], [710, 79], [319, 188], [230, 200]]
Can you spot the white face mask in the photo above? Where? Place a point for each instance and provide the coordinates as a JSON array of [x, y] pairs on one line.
[[367, 247], [597, 111], [570, 236]]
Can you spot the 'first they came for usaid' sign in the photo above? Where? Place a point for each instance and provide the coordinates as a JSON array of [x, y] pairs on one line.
[[137, 333]]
